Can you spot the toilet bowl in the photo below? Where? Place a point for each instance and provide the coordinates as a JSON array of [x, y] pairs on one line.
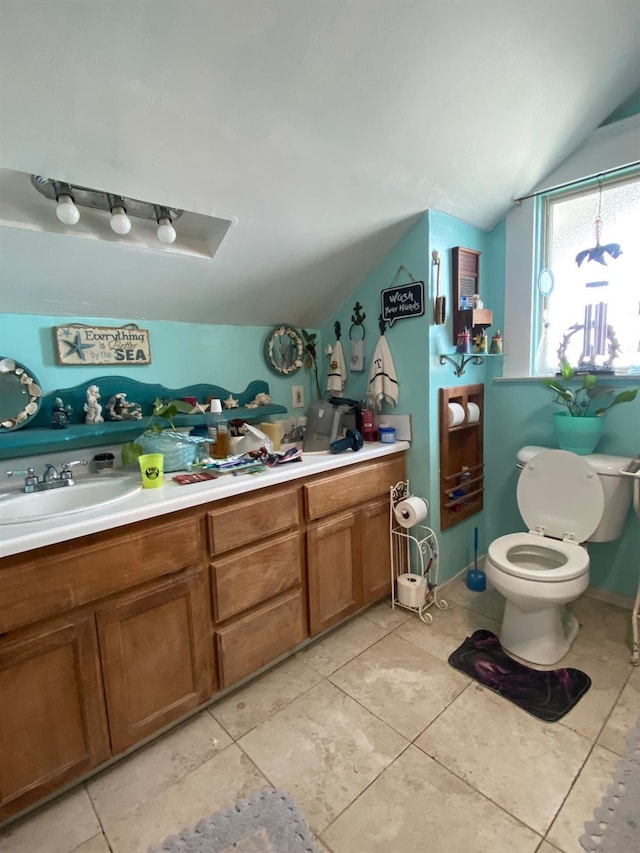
[[562, 501]]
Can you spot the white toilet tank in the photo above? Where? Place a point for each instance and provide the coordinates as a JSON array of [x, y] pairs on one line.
[[617, 489]]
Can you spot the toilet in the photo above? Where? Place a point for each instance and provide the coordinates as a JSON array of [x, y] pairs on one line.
[[564, 500]]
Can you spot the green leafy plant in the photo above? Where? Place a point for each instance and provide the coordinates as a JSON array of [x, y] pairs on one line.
[[311, 356], [578, 400], [162, 410]]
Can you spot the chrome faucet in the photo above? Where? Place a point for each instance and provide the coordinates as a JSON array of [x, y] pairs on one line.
[[51, 478]]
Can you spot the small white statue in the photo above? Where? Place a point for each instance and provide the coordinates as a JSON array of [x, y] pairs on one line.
[[92, 407]]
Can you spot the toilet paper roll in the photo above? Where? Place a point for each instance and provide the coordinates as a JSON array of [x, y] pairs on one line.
[[456, 414], [411, 511], [411, 590], [473, 413]]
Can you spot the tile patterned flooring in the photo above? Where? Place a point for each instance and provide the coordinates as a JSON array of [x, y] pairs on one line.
[[384, 746]]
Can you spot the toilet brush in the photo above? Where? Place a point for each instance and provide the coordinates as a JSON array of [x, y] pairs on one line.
[[476, 579]]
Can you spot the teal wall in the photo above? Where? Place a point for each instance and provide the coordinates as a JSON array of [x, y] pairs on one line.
[[516, 412], [181, 354], [416, 345]]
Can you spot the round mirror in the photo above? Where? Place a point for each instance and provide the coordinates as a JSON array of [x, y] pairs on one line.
[[284, 350], [20, 394]]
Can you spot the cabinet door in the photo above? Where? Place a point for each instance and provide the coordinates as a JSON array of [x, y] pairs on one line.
[[376, 553], [156, 659], [53, 725], [334, 564]]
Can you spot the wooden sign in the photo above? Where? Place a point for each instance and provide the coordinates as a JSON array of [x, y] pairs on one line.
[[403, 301], [79, 344]]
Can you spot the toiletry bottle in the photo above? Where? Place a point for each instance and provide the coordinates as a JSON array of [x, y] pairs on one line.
[[463, 482], [218, 430], [368, 407]]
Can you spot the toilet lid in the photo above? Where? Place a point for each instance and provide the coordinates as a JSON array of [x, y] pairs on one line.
[[560, 492]]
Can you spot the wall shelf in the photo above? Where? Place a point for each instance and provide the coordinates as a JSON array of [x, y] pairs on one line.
[[39, 437], [461, 457]]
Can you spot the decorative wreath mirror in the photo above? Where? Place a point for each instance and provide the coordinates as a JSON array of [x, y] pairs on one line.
[[284, 350]]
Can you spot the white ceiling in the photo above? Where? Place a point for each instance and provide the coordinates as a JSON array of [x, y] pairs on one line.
[[325, 126]]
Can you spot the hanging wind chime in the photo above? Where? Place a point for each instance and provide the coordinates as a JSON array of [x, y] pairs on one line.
[[597, 334]]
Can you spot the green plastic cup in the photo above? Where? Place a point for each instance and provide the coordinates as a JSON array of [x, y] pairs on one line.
[[152, 470]]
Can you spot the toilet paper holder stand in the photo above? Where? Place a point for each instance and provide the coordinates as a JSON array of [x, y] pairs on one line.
[[414, 549]]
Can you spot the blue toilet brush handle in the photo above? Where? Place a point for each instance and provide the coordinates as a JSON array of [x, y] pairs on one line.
[[475, 548]]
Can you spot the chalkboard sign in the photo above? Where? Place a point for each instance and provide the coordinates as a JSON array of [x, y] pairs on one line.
[[404, 301]]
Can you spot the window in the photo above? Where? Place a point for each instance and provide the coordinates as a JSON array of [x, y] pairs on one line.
[[590, 242]]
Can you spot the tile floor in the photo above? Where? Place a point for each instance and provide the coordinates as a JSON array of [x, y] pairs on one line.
[[386, 748]]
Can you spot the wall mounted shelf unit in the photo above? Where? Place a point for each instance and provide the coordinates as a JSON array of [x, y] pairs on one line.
[[461, 456], [466, 283]]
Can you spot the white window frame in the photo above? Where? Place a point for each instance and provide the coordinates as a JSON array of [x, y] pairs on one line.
[[610, 147]]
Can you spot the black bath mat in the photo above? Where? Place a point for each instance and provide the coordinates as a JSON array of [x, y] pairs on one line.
[[548, 695]]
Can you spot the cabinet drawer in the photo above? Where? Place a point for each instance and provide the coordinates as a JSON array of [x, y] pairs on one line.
[[353, 486], [264, 571], [50, 581], [256, 639], [252, 519]]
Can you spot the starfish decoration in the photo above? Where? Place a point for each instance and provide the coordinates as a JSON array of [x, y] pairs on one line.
[[230, 403], [78, 347]]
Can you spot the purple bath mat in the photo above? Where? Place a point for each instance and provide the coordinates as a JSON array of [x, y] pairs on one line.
[[547, 694]]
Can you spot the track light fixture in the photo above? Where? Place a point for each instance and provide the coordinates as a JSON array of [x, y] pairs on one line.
[[69, 197]]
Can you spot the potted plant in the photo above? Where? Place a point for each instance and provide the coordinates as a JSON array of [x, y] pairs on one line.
[[579, 428], [179, 450]]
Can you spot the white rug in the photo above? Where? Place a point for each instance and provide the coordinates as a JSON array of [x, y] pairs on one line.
[[616, 828], [268, 822]]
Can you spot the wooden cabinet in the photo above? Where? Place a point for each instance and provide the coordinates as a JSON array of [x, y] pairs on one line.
[[107, 639], [348, 555], [376, 551], [155, 657], [461, 455], [335, 570], [465, 269], [53, 726], [253, 641]]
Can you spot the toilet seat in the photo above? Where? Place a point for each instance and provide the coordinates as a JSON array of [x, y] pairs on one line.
[[560, 495], [575, 558]]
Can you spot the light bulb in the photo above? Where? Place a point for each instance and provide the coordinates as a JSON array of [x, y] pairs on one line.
[[66, 211], [120, 222], [166, 232]]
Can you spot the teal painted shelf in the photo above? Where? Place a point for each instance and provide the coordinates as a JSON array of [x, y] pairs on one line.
[[38, 436]]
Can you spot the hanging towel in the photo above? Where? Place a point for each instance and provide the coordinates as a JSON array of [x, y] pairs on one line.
[[337, 375], [383, 383], [357, 356]]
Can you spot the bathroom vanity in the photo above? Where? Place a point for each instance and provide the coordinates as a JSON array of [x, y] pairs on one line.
[[116, 624]]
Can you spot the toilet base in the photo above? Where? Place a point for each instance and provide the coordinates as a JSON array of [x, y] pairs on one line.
[[541, 636]]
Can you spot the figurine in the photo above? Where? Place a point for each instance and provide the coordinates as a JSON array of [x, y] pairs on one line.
[[59, 414], [92, 407], [496, 344], [120, 409], [480, 342]]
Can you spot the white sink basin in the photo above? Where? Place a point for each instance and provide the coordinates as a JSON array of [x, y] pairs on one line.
[[87, 494]]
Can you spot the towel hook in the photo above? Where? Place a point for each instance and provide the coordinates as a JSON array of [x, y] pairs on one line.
[[382, 324], [336, 328], [357, 319]]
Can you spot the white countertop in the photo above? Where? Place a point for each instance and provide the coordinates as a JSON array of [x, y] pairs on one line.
[[171, 497]]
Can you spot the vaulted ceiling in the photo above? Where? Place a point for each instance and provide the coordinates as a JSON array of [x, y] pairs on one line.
[[325, 126]]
